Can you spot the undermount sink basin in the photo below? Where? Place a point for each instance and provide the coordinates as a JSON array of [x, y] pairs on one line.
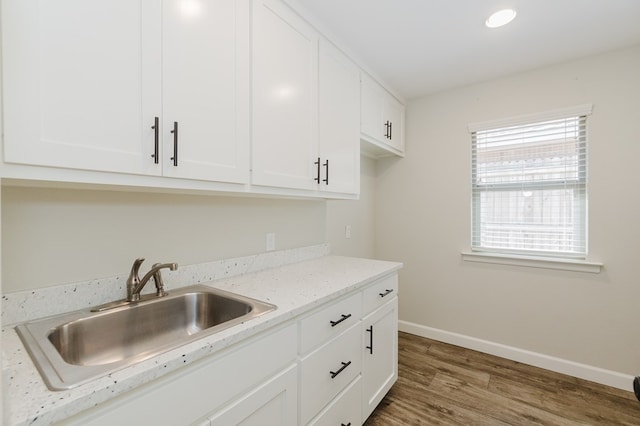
[[74, 348]]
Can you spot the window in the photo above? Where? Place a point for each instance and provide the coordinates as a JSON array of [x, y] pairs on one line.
[[529, 185]]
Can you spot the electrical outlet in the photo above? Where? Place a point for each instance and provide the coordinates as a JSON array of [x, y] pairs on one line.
[[347, 231], [271, 241]]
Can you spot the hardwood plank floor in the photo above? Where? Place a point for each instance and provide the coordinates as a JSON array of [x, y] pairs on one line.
[[441, 384]]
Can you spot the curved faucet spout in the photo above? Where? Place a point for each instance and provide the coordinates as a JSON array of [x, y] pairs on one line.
[[134, 279]]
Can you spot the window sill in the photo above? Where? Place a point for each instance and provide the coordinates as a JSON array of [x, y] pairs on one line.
[[575, 265]]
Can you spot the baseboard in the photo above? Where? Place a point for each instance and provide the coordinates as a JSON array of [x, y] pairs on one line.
[[559, 365]]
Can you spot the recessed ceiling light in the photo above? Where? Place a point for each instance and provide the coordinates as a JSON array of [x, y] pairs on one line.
[[500, 18]]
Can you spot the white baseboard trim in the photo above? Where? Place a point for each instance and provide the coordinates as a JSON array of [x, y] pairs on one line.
[[559, 365]]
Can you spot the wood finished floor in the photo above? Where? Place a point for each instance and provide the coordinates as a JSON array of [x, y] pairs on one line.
[[441, 384]]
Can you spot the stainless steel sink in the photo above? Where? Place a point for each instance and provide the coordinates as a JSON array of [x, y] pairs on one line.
[[75, 348]]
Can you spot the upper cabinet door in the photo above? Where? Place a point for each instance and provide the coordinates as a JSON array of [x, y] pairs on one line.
[[74, 92], [339, 100], [372, 123], [381, 121], [205, 89], [394, 114], [284, 97]]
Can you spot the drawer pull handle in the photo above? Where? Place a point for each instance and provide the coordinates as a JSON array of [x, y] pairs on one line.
[[389, 290], [370, 347], [348, 424], [344, 317], [335, 373]]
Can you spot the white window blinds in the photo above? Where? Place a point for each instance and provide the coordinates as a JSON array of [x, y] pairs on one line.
[[529, 188]]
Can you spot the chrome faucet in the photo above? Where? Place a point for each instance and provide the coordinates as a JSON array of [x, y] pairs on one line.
[[135, 284]]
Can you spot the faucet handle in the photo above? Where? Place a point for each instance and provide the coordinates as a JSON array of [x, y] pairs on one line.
[[157, 278]]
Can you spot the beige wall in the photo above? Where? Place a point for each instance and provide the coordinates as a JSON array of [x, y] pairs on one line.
[[55, 236], [359, 214], [425, 202]]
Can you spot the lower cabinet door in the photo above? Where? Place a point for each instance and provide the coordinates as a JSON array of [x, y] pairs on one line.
[[193, 393], [380, 360], [274, 403]]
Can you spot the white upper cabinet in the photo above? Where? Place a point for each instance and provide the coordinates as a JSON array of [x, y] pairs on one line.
[[81, 83], [231, 95], [306, 106], [382, 120], [205, 88], [394, 114], [284, 97], [339, 101], [85, 81]]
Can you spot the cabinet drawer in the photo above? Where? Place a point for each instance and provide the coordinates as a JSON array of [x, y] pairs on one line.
[[380, 292], [328, 370], [329, 322], [345, 409]]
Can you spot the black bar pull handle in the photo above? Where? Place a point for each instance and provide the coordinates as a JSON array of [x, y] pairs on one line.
[[175, 143], [317, 178], [370, 347], [156, 139], [390, 130], [326, 179], [335, 373], [387, 292], [344, 317], [386, 132]]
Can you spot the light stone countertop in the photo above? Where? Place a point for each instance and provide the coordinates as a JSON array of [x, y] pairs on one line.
[[294, 288]]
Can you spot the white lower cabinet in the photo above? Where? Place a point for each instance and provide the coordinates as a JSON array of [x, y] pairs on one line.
[[344, 410], [380, 361], [330, 366], [190, 397], [328, 370], [329, 322], [343, 375], [272, 404]]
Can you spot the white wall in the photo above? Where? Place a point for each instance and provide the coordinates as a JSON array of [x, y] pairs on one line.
[[425, 202]]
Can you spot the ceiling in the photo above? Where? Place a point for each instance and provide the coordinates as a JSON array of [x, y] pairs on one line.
[[420, 47]]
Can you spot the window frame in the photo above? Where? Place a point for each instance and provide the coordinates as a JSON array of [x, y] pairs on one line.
[[553, 259]]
